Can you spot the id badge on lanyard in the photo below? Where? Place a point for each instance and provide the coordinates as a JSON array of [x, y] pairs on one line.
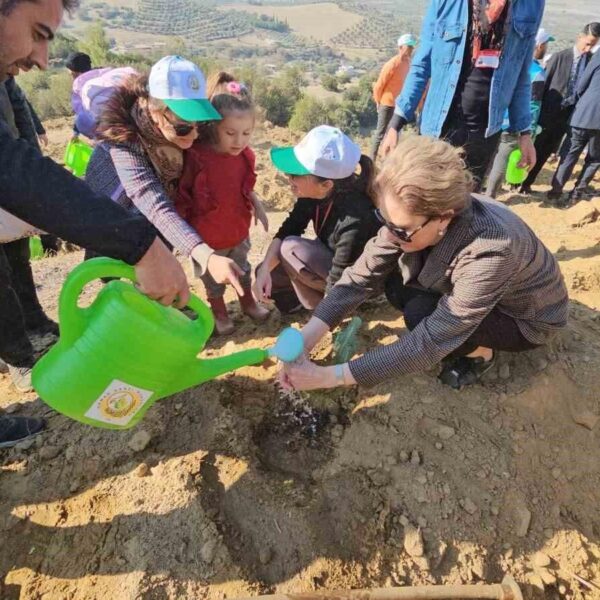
[[488, 59]]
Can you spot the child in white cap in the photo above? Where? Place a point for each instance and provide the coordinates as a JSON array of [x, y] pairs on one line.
[[296, 271]]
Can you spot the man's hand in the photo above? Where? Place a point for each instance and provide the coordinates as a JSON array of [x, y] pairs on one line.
[[161, 277], [226, 271], [390, 141], [43, 140], [528, 155]]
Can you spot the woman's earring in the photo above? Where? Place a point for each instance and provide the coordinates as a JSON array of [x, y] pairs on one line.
[[441, 232]]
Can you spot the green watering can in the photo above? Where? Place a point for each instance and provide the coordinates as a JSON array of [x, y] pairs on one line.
[[119, 355], [77, 156], [514, 174]]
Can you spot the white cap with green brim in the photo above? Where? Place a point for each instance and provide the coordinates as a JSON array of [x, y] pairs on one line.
[[408, 39], [181, 85], [325, 151], [543, 37]]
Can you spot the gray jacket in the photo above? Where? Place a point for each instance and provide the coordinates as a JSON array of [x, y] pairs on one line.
[[587, 110], [489, 258]]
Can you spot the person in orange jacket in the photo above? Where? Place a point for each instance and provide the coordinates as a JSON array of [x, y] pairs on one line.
[[389, 85]]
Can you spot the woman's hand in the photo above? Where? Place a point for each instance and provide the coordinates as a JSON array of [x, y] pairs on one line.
[[263, 285], [226, 271], [260, 215], [305, 375]]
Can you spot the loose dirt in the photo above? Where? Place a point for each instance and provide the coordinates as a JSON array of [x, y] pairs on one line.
[[232, 489]]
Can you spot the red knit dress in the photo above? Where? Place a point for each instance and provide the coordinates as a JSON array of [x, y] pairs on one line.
[[214, 195]]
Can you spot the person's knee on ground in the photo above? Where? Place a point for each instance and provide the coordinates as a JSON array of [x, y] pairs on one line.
[[288, 257], [414, 304]]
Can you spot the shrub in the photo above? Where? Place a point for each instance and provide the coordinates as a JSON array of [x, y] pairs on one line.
[[308, 113], [330, 83]]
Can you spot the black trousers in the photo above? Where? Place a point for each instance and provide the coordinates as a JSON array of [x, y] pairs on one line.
[[547, 143], [15, 288], [497, 331], [384, 116], [479, 150], [579, 139]]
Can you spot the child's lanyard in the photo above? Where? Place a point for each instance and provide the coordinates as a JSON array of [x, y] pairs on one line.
[[319, 226]]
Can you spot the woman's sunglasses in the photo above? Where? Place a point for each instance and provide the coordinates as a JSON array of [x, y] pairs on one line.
[[401, 234], [181, 129]]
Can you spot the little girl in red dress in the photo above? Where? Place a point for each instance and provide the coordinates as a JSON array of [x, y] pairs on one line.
[[216, 192]]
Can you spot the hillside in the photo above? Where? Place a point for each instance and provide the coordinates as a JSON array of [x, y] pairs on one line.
[[230, 489]]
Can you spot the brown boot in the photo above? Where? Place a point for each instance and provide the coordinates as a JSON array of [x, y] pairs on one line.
[[223, 324], [251, 308]]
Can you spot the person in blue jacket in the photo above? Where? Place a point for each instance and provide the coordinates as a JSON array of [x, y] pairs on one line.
[[509, 140], [476, 55]]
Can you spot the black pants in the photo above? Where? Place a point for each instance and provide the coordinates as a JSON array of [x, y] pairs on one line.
[[497, 331], [50, 244], [547, 143], [15, 278], [479, 150], [579, 139], [384, 116]]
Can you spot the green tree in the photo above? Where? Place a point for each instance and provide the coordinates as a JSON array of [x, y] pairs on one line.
[[96, 44], [309, 112], [330, 83]]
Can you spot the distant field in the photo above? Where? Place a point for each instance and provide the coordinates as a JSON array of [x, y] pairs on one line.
[[319, 21]]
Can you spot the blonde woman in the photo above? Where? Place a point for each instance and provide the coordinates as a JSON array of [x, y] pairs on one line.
[[469, 275]]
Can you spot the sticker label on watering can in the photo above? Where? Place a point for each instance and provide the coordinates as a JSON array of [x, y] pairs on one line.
[[118, 403]]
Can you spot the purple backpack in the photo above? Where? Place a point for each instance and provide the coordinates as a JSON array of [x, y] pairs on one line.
[[91, 91]]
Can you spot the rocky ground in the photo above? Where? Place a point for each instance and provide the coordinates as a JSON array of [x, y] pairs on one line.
[[234, 489]]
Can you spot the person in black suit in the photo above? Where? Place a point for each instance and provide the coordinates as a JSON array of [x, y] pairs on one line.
[[563, 72], [585, 129]]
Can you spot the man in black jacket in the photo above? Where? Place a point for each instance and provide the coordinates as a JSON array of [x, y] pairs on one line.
[[563, 72], [585, 131], [42, 193]]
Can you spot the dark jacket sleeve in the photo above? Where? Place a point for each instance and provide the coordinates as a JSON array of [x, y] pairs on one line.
[[297, 221], [23, 118], [592, 66], [42, 193], [352, 238], [39, 128]]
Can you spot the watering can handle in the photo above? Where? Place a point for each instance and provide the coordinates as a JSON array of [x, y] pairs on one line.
[[72, 317]]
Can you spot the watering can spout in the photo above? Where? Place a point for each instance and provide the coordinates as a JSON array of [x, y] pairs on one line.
[[203, 369]]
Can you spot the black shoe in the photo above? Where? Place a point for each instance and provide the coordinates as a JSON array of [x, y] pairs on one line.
[[554, 195], [17, 429], [42, 326], [463, 371], [525, 189]]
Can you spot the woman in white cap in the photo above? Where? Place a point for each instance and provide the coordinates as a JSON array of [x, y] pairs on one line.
[[146, 125], [296, 271]]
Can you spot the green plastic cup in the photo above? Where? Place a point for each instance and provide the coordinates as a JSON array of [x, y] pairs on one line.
[[77, 157]]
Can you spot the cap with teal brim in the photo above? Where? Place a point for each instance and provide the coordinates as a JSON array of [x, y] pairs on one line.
[[324, 151], [193, 109], [286, 161]]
